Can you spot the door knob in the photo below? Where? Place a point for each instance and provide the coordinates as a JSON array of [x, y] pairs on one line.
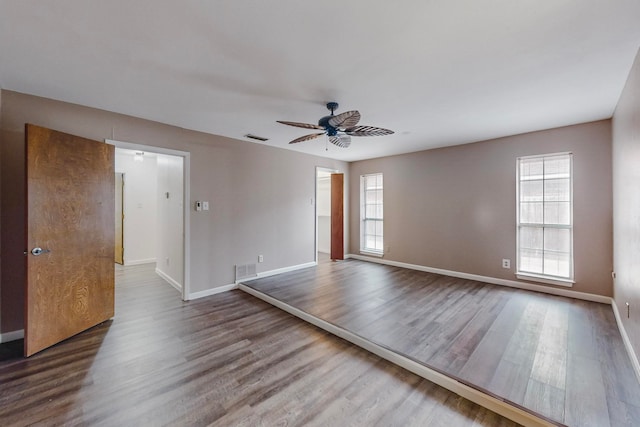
[[39, 251]]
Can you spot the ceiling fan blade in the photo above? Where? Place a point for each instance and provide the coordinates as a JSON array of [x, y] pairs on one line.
[[345, 120], [306, 137], [301, 125], [343, 141], [367, 131]]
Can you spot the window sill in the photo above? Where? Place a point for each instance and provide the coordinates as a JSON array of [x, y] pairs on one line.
[[371, 253], [545, 279]]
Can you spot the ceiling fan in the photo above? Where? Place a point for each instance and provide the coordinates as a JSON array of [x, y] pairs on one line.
[[338, 128]]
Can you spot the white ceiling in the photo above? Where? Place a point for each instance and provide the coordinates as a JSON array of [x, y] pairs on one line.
[[438, 73]]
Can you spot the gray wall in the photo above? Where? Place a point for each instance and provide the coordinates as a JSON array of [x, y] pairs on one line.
[[626, 204], [261, 197], [455, 209]]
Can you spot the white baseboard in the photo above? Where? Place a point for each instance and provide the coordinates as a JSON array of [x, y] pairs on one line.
[[280, 271], [139, 261], [483, 399], [225, 288], [627, 342], [11, 336], [169, 279], [212, 291], [493, 280]]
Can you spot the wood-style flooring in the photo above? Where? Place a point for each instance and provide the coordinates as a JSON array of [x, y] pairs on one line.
[[225, 360], [558, 357]]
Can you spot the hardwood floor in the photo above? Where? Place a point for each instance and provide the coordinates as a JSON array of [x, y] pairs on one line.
[[558, 357], [225, 360]]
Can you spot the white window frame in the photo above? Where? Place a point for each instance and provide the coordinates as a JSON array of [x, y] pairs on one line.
[[545, 278], [363, 217]]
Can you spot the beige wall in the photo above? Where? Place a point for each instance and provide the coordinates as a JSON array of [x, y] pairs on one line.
[[260, 196], [454, 208], [626, 204]]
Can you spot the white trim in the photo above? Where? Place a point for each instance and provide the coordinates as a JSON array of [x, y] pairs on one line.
[[186, 183], [279, 271], [545, 279], [372, 254], [169, 279], [625, 338], [493, 280], [128, 263], [225, 288], [542, 277], [363, 215], [483, 399], [212, 291], [11, 336]]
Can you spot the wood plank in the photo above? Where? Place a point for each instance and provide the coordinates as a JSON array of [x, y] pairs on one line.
[[228, 359], [518, 345]]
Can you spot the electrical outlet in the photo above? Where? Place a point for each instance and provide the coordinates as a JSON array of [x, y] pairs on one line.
[[205, 206], [506, 263], [260, 258]]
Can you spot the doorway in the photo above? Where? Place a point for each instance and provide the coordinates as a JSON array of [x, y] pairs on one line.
[[156, 210], [323, 213]]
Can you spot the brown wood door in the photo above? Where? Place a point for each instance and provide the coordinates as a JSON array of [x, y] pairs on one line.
[[337, 216], [119, 223], [70, 216]]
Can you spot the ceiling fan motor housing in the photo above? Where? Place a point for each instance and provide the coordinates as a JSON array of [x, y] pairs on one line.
[[324, 122]]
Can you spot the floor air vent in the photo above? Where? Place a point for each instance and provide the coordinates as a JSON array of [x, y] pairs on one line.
[[245, 271]]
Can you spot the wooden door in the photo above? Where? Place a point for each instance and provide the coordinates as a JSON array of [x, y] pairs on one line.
[[337, 216], [70, 217], [119, 213]]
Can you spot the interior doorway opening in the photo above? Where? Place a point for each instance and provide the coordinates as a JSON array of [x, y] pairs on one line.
[[155, 210], [323, 213]]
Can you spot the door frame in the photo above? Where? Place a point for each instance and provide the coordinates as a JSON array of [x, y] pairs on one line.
[[186, 183], [315, 205], [122, 218]]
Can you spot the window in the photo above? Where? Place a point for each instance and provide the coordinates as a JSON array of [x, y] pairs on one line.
[[545, 218], [371, 229]]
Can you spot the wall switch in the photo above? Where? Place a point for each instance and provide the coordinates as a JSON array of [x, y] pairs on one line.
[[205, 206], [506, 263], [260, 258], [198, 205]]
